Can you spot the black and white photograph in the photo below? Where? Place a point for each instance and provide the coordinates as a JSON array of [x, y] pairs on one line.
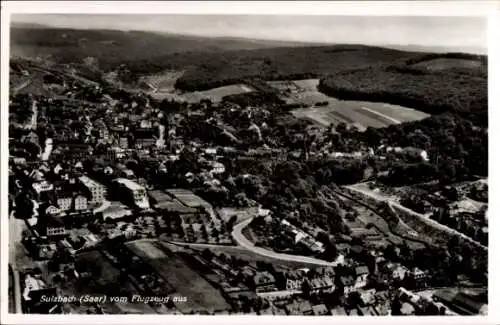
[[245, 164]]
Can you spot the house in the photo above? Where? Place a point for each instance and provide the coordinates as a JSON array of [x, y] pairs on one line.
[[320, 284], [135, 193], [299, 307], [347, 284], [396, 271], [51, 226], [361, 276], [418, 274], [97, 190], [320, 310], [64, 201], [80, 202], [367, 296], [42, 186], [295, 279], [217, 168], [264, 281]]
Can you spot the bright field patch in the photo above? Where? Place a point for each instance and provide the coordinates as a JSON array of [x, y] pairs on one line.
[[448, 63], [360, 114], [163, 82], [214, 94]]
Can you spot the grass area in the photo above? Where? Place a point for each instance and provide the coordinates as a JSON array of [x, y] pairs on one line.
[[362, 114], [163, 81], [251, 257], [201, 295], [448, 63], [214, 94]]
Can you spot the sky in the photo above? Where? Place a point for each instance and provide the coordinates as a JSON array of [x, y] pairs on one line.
[[447, 32]]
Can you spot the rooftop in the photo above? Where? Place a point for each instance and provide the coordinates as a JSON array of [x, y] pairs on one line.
[[89, 182], [129, 184]]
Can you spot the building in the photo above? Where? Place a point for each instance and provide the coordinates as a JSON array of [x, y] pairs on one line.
[[135, 192], [320, 284], [367, 296], [320, 310], [80, 202], [217, 168], [264, 281], [64, 202], [347, 284], [54, 227], [42, 186], [299, 307], [97, 190], [295, 279], [361, 276], [396, 271]]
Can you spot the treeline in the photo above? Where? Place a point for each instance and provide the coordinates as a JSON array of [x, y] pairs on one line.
[[459, 92], [450, 55]]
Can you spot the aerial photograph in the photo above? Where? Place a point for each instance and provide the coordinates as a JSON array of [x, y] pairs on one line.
[[247, 165]]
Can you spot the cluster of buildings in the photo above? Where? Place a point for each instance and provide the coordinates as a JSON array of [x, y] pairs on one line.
[[302, 238]]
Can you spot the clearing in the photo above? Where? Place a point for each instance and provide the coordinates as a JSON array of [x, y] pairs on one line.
[[200, 294], [448, 63], [214, 94], [358, 113]]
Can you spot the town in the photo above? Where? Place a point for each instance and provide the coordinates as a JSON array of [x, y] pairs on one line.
[[240, 206]]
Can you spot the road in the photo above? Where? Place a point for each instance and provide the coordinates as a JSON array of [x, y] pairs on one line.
[[429, 222], [16, 227], [21, 86], [245, 243]]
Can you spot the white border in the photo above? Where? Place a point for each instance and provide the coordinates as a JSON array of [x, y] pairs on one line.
[[375, 8]]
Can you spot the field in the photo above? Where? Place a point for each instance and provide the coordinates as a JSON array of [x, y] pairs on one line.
[[448, 63], [201, 295], [162, 82], [107, 276], [249, 256], [357, 113], [214, 94]]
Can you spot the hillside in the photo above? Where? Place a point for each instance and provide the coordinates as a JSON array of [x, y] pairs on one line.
[[456, 88], [115, 46]]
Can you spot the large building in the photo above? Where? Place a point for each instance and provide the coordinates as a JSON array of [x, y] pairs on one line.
[[97, 190], [135, 191]]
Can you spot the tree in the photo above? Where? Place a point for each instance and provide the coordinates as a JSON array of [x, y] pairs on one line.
[[207, 254]]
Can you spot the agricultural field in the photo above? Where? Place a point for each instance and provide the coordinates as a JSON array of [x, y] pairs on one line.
[[162, 82], [200, 294], [357, 113], [214, 94], [448, 63]]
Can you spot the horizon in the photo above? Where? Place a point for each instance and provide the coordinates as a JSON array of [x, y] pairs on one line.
[[448, 33]]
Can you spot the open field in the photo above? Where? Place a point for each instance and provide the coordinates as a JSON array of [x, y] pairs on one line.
[[107, 277], [249, 256], [214, 94], [448, 63], [201, 295], [358, 113], [162, 82]]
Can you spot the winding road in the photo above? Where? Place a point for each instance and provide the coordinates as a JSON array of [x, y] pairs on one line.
[[247, 244]]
